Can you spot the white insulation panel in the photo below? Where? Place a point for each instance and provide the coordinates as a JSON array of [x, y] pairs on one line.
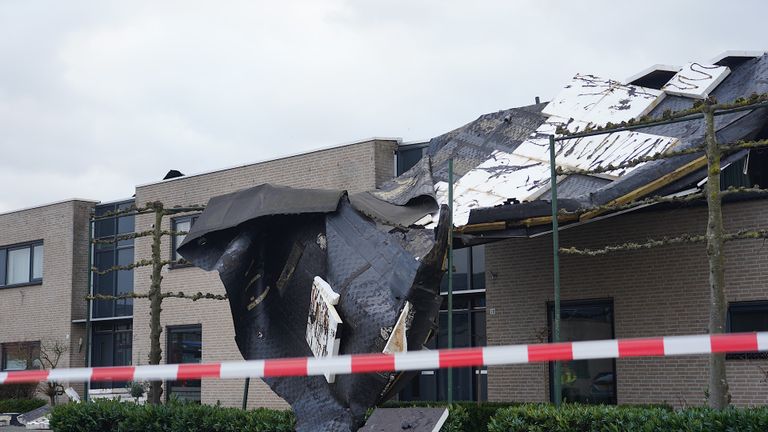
[[599, 101], [696, 80]]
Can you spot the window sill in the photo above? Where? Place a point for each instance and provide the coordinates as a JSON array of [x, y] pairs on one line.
[[179, 266], [20, 285]]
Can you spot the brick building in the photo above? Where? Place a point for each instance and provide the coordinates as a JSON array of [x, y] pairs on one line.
[[43, 279], [503, 289]]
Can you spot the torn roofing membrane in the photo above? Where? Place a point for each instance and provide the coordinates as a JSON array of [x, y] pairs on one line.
[[502, 159]]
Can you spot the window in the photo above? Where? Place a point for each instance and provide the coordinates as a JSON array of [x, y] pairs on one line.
[[409, 155], [185, 345], [468, 270], [585, 381], [744, 317], [107, 255], [112, 346], [21, 264], [20, 356], [469, 384], [184, 224]]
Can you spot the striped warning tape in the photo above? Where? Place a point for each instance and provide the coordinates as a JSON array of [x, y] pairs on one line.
[[413, 360]]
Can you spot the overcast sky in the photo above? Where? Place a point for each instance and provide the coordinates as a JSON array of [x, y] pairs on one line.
[[97, 97]]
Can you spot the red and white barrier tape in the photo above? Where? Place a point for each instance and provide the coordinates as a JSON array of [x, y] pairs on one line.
[[413, 360]]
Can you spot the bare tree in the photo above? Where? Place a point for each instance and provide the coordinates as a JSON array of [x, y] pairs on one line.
[[51, 352]]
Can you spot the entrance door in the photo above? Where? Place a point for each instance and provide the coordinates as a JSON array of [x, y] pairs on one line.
[[585, 381]]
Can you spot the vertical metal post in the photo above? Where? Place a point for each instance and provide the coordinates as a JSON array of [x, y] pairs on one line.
[[88, 304], [450, 274], [557, 383], [245, 392]]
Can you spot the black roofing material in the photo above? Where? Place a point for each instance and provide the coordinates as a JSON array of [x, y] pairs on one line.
[[749, 77], [524, 210], [268, 244], [226, 212]]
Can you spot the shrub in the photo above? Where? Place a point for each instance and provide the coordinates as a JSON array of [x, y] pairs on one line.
[[18, 391], [174, 416], [20, 405], [597, 418]]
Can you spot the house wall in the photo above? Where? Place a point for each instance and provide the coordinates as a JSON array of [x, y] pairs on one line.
[[44, 312], [661, 291], [356, 168]]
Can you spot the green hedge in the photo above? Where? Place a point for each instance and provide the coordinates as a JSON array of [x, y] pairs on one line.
[[108, 415], [598, 418], [20, 405]]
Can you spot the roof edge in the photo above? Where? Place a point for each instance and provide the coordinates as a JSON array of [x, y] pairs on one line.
[[37, 206], [286, 156]]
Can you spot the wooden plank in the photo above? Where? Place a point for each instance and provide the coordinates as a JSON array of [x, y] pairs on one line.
[[480, 227], [652, 186]]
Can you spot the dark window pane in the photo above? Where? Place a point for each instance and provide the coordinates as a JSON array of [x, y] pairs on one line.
[[185, 345], [111, 346], [586, 381], [749, 318], [408, 157], [104, 228], [3, 254], [125, 224], [460, 271], [478, 267]]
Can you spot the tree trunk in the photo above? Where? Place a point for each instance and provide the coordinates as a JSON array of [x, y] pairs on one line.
[[156, 299], [718, 382]]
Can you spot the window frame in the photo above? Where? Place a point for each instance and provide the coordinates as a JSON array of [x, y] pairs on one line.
[[31, 280], [112, 250], [4, 354], [760, 305], [169, 332], [550, 310], [174, 239]]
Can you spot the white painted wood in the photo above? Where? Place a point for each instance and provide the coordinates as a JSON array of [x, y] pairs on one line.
[[398, 340], [323, 322], [696, 80]]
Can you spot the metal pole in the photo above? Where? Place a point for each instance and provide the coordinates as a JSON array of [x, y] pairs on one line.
[[556, 384], [88, 304], [245, 392], [450, 274]]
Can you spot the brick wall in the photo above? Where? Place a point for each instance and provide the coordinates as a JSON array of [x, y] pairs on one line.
[[356, 167], [45, 312], [662, 291]]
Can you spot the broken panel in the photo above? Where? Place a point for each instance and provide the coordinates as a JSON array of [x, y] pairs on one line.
[[696, 80], [504, 176], [599, 101], [323, 322], [593, 151]]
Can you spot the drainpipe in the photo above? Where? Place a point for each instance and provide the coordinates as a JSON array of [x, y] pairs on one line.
[[450, 274], [88, 305]]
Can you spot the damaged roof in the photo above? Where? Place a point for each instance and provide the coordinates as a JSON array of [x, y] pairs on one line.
[[501, 160]]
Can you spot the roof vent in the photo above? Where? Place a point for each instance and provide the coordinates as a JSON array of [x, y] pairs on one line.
[[733, 58], [173, 174], [654, 77]]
